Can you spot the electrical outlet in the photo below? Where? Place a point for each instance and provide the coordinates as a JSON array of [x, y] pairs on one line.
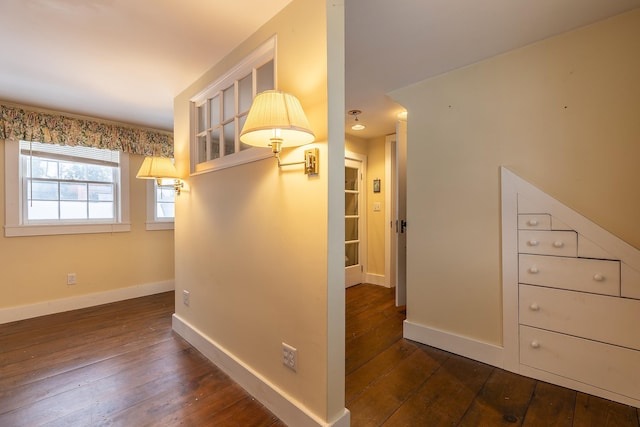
[[71, 279], [185, 297], [289, 357]]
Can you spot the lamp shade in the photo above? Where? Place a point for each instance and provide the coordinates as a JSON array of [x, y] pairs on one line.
[[157, 167], [275, 115]]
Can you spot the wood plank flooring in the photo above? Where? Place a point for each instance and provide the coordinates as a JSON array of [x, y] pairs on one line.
[[121, 365], [395, 382]]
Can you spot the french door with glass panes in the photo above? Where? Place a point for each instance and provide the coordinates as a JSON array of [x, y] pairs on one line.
[[353, 220]]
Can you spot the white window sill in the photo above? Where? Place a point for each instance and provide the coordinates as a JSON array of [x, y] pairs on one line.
[[160, 225], [50, 230]]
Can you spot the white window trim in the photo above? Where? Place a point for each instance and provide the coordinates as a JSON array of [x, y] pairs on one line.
[[264, 53], [154, 223], [13, 207]]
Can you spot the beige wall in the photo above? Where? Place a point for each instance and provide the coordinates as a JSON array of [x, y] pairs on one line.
[[563, 114], [251, 241], [34, 269], [376, 227]]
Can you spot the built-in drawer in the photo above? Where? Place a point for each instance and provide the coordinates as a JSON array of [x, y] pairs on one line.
[[559, 243], [597, 317], [580, 274], [534, 222], [605, 366]]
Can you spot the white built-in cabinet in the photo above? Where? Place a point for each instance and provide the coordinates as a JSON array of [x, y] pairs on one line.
[[571, 297]]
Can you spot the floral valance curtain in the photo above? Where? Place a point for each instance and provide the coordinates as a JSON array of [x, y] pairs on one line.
[[19, 124]]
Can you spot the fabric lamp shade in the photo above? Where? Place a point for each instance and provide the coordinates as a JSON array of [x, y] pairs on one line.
[[157, 167], [276, 116]]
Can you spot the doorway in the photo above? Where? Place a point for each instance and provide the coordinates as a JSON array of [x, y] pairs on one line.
[[354, 219], [395, 212]]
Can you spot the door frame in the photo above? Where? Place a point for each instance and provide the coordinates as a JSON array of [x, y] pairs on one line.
[[400, 211], [390, 165], [362, 211], [395, 270]]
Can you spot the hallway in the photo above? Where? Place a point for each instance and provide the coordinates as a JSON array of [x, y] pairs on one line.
[[396, 382]]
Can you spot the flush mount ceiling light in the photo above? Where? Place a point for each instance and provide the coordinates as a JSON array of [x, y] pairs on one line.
[[356, 123]]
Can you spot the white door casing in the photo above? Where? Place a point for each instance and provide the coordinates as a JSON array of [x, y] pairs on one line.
[[401, 213], [355, 219]]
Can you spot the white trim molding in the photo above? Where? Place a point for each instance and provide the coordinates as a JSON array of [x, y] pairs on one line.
[[389, 210], [14, 226], [12, 314], [595, 243], [464, 346], [290, 411], [376, 279], [153, 223]]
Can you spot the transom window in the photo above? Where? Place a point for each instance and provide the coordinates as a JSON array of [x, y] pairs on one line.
[[219, 112], [68, 184]]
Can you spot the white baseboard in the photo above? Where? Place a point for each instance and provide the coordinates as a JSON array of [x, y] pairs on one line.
[[12, 314], [577, 385], [286, 408], [375, 279], [477, 350]]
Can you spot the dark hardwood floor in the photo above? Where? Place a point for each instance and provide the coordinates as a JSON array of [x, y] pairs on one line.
[[396, 382], [121, 365], [118, 365]]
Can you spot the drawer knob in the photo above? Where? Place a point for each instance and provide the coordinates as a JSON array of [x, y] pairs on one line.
[[535, 344], [534, 307], [598, 277], [534, 270], [533, 222], [558, 244], [533, 243]]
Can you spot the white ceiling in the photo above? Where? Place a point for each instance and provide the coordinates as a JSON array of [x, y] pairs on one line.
[[125, 60], [392, 44], [122, 60]]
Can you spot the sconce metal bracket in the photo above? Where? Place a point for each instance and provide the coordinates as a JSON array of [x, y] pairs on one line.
[[310, 161]]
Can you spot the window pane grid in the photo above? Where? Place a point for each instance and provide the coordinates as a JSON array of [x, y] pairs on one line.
[[220, 116], [164, 202], [69, 200], [64, 187]]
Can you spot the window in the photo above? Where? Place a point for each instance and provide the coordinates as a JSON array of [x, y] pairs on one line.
[[64, 184], [219, 112], [160, 205], [54, 189]]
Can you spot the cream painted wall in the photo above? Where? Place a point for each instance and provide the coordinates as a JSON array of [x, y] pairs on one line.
[[375, 220], [251, 241], [355, 145], [34, 269], [563, 114]]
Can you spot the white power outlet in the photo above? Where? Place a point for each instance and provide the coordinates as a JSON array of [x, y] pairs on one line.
[[185, 297], [71, 279], [289, 357]]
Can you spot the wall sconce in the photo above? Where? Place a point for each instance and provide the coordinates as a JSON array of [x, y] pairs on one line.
[[276, 119], [160, 168]]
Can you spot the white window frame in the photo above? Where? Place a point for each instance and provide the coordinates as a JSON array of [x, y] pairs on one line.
[[259, 57], [153, 222], [14, 225]]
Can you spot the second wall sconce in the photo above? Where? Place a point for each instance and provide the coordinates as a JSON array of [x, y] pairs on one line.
[[160, 168], [276, 119]]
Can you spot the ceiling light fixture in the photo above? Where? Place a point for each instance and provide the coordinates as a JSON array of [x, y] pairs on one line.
[[356, 123]]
